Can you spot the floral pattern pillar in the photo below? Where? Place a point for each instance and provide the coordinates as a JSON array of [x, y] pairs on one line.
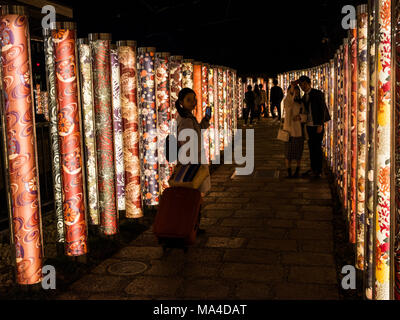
[[55, 146], [353, 145], [361, 131], [118, 128], [383, 151], [197, 88], [86, 80], [370, 185], [101, 66], [148, 123], [21, 146], [130, 117], [204, 105], [69, 130], [187, 73], [163, 114]]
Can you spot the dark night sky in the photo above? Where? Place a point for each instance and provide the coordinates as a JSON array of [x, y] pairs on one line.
[[248, 35]]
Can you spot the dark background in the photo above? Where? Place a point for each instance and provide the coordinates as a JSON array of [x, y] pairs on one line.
[[254, 37]]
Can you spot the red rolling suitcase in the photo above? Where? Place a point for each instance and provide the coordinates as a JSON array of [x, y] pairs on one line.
[[177, 219]]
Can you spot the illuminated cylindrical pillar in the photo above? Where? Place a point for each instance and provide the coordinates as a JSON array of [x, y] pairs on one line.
[[221, 104], [216, 113], [204, 105], [187, 73], [69, 131], [346, 127], [225, 106], [175, 84], [197, 89], [130, 117], [118, 128], [353, 145], [86, 80], [383, 152], [21, 144], [148, 124], [211, 103], [370, 200], [362, 16], [163, 114], [54, 139], [100, 45]]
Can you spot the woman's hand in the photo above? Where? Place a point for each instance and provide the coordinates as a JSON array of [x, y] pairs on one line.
[[319, 129], [297, 118]]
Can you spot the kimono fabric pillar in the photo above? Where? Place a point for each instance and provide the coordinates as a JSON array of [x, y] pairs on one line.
[[197, 88], [216, 113], [86, 80], [163, 114], [21, 147], [362, 16], [70, 139], [383, 151], [175, 84], [211, 88], [370, 158], [204, 105], [148, 120], [130, 118], [353, 145], [54, 139], [396, 57], [118, 128], [225, 106], [187, 73], [346, 121], [102, 97], [220, 109]]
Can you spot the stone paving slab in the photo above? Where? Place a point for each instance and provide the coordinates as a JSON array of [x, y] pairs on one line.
[[266, 237]]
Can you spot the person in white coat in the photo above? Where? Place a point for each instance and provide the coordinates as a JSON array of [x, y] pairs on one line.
[[294, 119]]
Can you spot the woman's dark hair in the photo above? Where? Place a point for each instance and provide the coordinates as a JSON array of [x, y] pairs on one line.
[[256, 89], [181, 96]]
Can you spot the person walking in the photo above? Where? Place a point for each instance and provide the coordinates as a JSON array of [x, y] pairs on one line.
[[263, 100], [250, 105], [317, 115], [257, 103], [293, 119], [276, 99]]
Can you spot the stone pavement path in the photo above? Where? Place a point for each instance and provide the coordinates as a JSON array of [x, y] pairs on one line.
[[266, 238]]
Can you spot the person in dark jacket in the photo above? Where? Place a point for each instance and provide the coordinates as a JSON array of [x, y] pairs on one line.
[[317, 115], [276, 99], [250, 105]]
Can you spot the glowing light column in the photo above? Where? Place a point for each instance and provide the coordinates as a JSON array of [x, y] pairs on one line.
[[148, 124], [130, 117], [362, 15], [118, 128], [69, 130], [163, 114], [55, 144], [101, 67], [383, 151], [86, 80], [21, 144], [187, 73]]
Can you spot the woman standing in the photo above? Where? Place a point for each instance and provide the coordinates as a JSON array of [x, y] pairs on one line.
[[293, 123], [185, 105]]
